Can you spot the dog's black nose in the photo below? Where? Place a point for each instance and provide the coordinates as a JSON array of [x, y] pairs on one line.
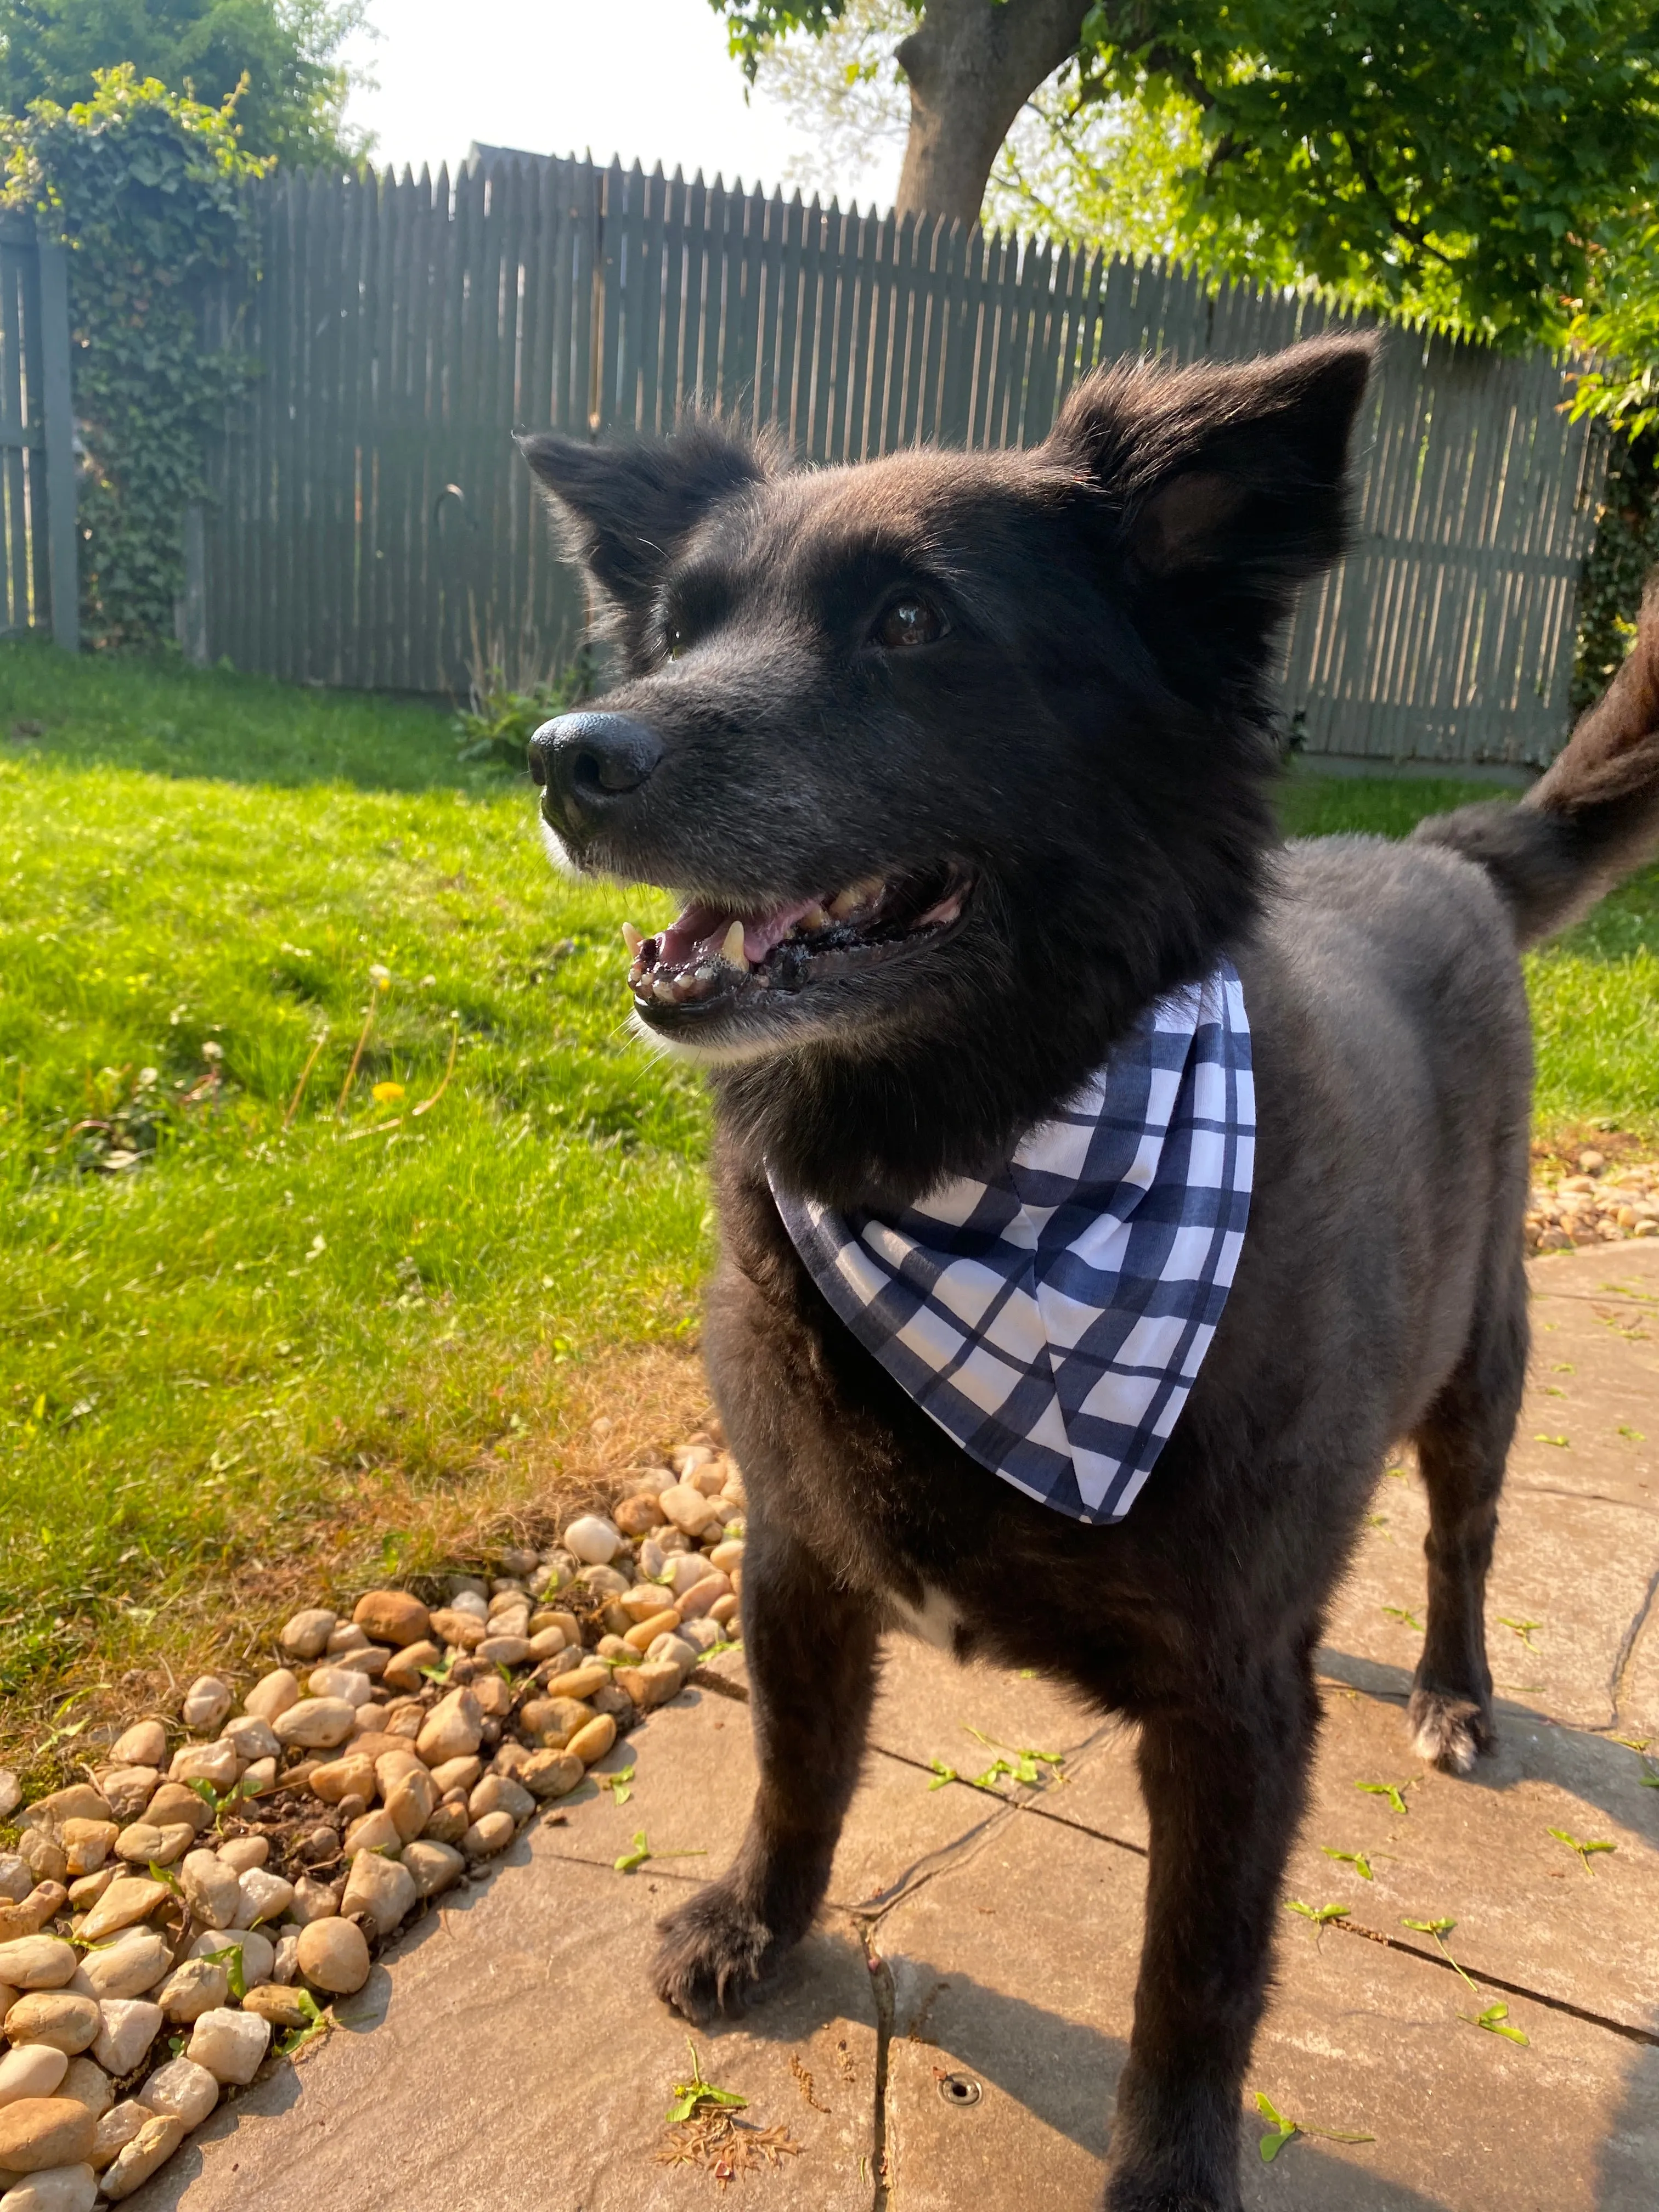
[[584, 762]]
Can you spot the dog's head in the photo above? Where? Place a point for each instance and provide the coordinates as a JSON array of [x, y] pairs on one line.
[[958, 760]]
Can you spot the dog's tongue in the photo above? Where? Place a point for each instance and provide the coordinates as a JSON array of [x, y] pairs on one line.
[[702, 930]]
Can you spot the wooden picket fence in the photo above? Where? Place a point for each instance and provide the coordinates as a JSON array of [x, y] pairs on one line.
[[39, 590], [372, 524]]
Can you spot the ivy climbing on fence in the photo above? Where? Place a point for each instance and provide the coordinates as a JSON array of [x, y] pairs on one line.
[[145, 189]]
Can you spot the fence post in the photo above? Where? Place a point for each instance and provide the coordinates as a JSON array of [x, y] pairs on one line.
[[57, 412]]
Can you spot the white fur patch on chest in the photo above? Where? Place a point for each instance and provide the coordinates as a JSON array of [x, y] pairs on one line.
[[935, 1620]]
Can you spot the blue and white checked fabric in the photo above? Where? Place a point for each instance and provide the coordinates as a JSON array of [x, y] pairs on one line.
[[1053, 1321]]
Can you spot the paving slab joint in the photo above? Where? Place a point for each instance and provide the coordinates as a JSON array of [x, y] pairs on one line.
[[1626, 2028], [1627, 1652], [881, 1985], [705, 1678], [1016, 1805]]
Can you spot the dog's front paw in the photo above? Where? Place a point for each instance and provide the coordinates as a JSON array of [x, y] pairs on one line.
[[1132, 2193], [1449, 1729], [717, 1956]]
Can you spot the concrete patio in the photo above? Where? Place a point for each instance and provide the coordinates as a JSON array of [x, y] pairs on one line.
[[952, 2036]]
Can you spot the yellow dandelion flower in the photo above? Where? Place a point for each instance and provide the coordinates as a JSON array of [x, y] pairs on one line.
[[385, 1093]]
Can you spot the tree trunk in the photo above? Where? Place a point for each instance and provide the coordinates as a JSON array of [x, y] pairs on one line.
[[972, 64]]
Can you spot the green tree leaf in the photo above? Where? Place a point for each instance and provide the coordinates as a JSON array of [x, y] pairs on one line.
[[292, 104]]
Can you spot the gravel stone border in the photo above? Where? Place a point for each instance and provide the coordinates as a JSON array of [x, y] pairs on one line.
[[1604, 1203], [187, 1914]]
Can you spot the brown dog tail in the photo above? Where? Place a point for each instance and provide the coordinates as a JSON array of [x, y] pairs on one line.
[[1591, 819]]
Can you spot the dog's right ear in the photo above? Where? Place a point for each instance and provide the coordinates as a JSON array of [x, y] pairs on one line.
[[1225, 487], [626, 508]]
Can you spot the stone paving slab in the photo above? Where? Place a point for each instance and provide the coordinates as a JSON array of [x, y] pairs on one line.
[[929, 1704], [1578, 1541], [693, 1784], [1479, 1850], [1357, 2040], [510, 2054]]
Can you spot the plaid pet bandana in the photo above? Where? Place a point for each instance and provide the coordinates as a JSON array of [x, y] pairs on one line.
[[1052, 1321]]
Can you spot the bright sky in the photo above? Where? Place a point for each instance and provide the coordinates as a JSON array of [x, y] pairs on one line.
[[650, 78]]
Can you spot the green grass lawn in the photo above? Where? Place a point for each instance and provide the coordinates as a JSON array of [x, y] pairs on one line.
[[215, 1328], [241, 1338], [1594, 991]]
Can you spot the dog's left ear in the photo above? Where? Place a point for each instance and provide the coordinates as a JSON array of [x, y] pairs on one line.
[[1233, 478], [626, 508]]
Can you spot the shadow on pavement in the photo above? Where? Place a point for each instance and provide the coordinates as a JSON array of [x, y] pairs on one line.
[[1064, 2073], [1591, 1766]]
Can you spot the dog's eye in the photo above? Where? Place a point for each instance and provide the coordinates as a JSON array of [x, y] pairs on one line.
[[675, 640], [909, 621]]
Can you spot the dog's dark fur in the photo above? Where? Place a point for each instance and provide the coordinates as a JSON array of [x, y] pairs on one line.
[[1090, 739]]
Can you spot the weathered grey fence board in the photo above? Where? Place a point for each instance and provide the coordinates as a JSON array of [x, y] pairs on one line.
[[374, 525], [40, 587]]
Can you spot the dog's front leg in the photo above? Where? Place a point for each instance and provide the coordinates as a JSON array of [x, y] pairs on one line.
[[810, 1650], [1224, 1788]]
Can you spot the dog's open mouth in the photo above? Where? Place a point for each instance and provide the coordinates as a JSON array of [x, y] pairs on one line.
[[717, 953]]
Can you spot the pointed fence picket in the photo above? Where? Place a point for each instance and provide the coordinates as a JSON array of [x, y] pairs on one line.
[[372, 524]]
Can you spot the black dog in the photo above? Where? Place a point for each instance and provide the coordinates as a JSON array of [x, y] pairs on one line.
[[973, 754]]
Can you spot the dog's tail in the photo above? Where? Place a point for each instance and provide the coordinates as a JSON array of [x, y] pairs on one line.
[[1591, 819]]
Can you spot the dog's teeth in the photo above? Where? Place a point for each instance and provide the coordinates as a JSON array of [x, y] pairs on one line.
[[663, 990], [732, 947], [632, 938], [814, 918], [946, 910], [706, 972], [856, 895]]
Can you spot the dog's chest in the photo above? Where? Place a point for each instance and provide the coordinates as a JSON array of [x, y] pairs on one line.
[[937, 1620]]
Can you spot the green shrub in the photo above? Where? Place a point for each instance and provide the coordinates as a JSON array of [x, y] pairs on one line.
[[498, 722]]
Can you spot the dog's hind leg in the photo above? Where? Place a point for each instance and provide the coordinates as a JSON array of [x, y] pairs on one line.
[[1461, 1447], [1225, 1779], [810, 1650]]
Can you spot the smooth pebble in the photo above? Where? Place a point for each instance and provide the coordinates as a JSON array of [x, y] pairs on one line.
[[258, 1952], [117, 2129], [315, 1724], [129, 1968], [245, 1852], [273, 1693], [307, 1635], [144, 1744], [206, 1702], [44, 2131], [193, 1988], [182, 2090], [60, 2017], [380, 1889], [265, 1896], [34, 2070], [150, 2149], [334, 1955], [131, 2026], [37, 1962], [230, 2044], [485, 1838], [593, 1539], [212, 1890], [58, 2189]]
